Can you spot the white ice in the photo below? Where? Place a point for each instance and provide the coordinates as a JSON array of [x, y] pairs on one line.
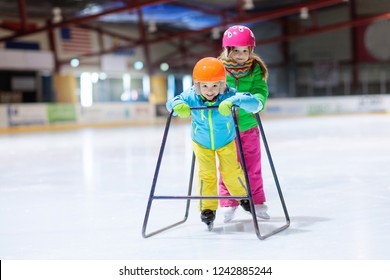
[[82, 194]]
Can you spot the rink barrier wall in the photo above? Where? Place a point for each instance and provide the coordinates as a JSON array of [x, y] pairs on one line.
[[309, 106], [50, 116]]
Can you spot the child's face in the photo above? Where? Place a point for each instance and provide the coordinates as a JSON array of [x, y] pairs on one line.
[[209, 90], [240, 54]]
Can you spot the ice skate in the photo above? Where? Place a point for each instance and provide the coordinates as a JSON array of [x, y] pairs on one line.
[[228, 213], [245, 205], [261, 211], [208, 216]]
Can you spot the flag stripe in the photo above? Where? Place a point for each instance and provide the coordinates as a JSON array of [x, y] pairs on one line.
[[76, 40]]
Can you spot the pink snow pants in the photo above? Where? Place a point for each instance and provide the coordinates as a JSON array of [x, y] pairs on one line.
[[250, 140]]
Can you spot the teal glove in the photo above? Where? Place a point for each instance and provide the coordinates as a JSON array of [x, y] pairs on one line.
[[225, 108], [182, 110]]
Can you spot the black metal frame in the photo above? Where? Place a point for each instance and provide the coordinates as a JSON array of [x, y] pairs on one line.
[[188, 197]]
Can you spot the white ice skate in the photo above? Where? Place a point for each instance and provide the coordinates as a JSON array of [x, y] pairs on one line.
[[261, 211], [228, 213]]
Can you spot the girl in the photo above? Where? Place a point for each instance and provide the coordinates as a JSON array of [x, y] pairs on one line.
[[247, 73]]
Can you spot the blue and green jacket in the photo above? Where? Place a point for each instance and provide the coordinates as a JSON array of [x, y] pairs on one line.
[[210, 129]]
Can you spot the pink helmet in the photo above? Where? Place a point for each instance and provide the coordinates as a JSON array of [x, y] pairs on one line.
[[238, 36]]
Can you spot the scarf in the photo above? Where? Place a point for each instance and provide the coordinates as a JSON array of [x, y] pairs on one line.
[[238, 70]]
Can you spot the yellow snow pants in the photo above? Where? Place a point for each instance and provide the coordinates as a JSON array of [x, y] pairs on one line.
[[230, 168]]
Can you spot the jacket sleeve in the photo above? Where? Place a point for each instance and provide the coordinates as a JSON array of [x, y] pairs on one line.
[[184, 97], [246, 101], [173, 102], [259, 86]]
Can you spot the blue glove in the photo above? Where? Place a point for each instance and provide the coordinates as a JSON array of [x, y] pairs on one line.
[[225, 108], [182, 110]]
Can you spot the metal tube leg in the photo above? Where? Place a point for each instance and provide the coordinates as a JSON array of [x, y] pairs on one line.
[[157, 170], [273, 171], [190, 186], [152, 196], [248, 187]]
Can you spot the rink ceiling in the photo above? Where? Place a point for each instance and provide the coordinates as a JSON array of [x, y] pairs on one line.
[[192, 24], [83, 194]]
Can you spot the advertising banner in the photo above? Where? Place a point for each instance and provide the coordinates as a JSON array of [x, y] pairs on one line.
[[115, 112], [27, 114], [61, 113]]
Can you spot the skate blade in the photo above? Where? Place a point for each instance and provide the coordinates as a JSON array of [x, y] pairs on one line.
[[210, 226]]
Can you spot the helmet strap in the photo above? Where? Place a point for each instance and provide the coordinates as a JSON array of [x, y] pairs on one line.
[[221, 87], [229, 51], [197, 88], [226, 52]]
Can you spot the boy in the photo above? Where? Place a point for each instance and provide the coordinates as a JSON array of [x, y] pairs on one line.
[[213, 131]]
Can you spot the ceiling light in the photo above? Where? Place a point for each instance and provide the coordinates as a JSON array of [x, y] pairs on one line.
[[215, 33], [57, 17], [102, 76], [94, 77], [164, 66], [304, 13], [152, 27], [138, 65], [248, 5], [74, 62]]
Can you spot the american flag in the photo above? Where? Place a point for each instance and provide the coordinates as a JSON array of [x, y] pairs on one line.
[[75, 40]]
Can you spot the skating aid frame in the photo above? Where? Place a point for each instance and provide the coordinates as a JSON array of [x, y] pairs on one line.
[[189, 197]]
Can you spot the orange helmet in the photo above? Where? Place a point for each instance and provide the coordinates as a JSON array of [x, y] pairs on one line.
[[209, 69]]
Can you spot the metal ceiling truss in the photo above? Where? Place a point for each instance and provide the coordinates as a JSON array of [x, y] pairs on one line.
[[182, 39]]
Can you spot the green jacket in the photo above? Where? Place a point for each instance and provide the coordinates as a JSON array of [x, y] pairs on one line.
[[254, 84]]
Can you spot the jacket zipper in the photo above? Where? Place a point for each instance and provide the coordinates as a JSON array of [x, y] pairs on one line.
[[211, 128]]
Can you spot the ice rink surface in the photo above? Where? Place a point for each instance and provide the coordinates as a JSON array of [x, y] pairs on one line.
[[82, 194]]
